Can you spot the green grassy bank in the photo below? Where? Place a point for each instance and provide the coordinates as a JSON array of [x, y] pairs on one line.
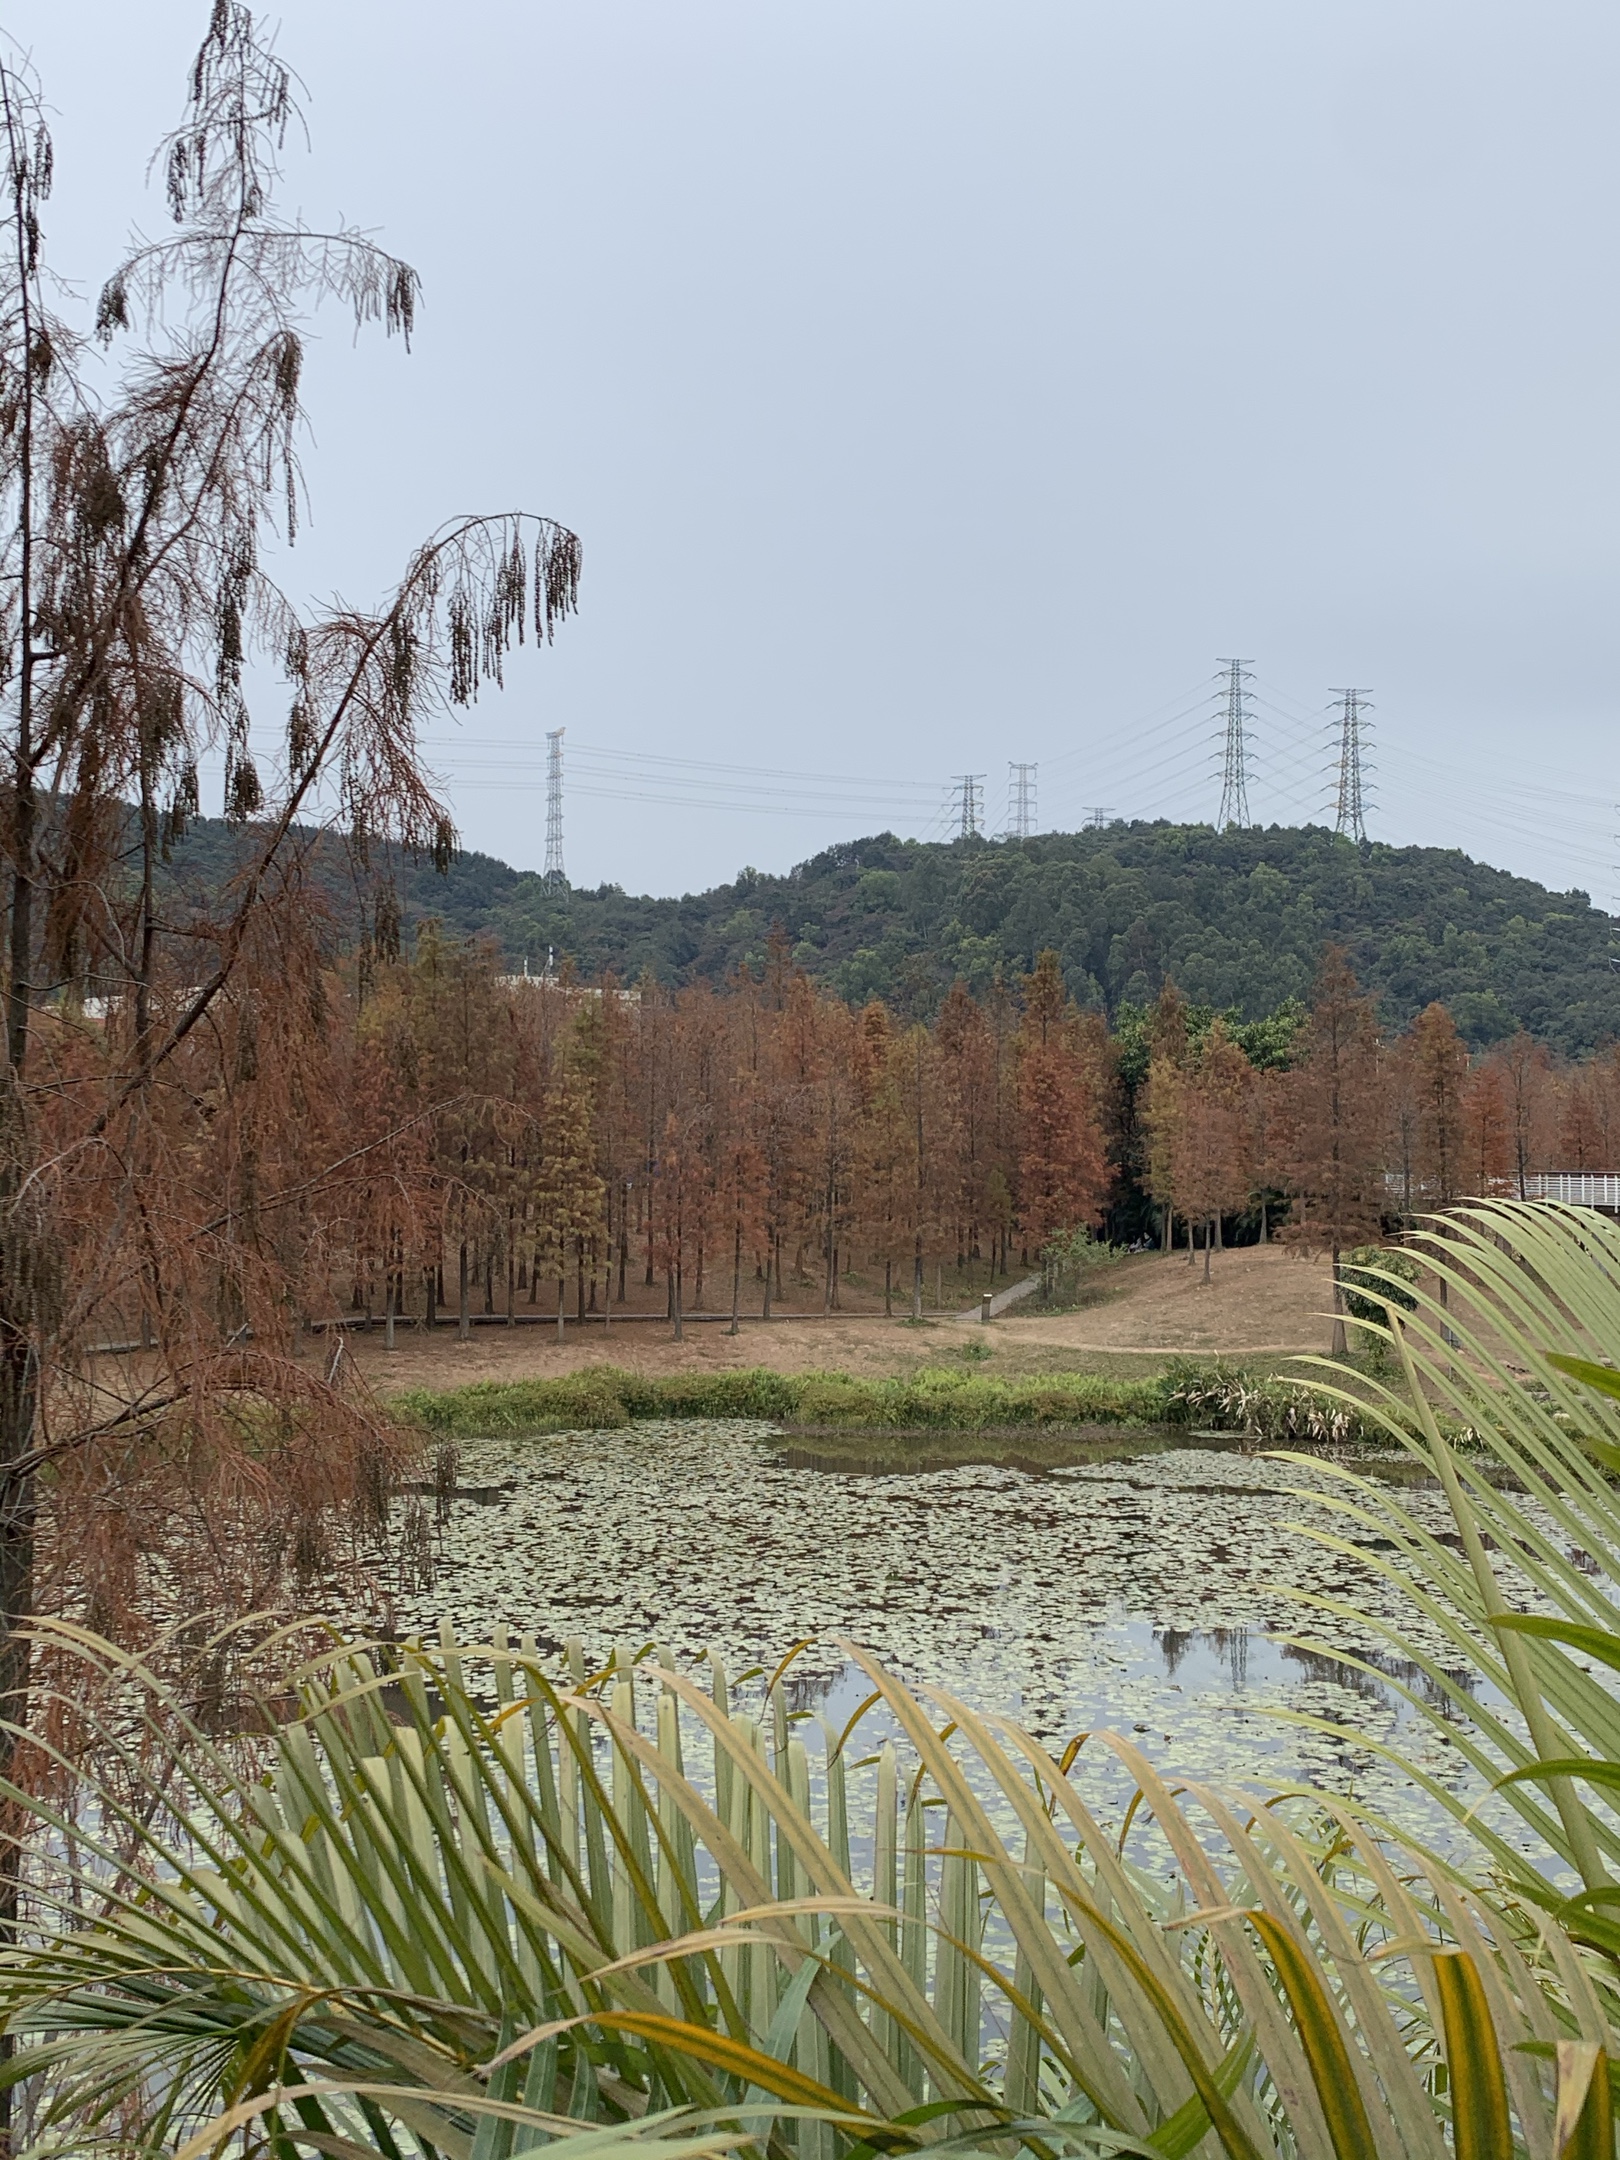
[[1212, 1396]]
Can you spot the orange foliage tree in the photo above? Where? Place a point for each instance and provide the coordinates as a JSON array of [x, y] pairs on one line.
[[1062, 1162], [1211, 1172], [1332, 1124], [180, 1185], [1436, 1060]]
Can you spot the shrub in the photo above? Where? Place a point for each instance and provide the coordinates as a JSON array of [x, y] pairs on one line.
[[589, 1401], [1074, 1264], [1373, 1265], [836, 1399], [752, 1392]]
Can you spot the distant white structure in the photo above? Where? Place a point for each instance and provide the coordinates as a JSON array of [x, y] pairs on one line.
[[1576, 1188]]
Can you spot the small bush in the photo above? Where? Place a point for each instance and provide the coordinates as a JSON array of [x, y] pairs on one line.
[[748, 1392], [491, 1409], [1074, 1266], [1366, 1265]]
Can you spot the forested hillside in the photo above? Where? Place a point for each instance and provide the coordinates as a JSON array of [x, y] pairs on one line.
[[1238, 918]]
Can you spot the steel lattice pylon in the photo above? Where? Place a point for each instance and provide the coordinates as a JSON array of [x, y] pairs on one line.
[[1351, 808], [555, 873], [1235, 753]]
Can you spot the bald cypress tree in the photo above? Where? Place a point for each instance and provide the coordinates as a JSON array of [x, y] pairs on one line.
[[1333, 1123], [139, 488], [1062, 1166]]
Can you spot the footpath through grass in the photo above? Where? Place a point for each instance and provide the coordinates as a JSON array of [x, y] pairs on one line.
[[1201, 1395]]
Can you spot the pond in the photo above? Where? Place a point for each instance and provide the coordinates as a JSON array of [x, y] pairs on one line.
[[1113, 1579]]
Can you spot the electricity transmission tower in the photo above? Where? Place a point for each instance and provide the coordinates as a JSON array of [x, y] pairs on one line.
[[967, 802], [1351, 809], [554, 873], [1099, 815], [1235, 749], [1021, 782]]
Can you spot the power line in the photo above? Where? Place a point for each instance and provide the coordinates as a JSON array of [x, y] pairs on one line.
[[1154, 765], [1235, 749], [967, 801], [1135, 761], [1099, 815], [586, 754], [1143, 725], [554, 872], [1021, 784], [1350, 816]]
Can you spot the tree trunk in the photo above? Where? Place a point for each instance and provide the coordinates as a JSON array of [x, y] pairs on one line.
[[675, 1289], [917, 1281], [736, 1283], [18, 1403], [1340, 1345], [888, 1289], [1207, 1242], [463, 1316]]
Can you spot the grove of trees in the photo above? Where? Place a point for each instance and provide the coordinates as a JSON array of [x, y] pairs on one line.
[[576, 1148]]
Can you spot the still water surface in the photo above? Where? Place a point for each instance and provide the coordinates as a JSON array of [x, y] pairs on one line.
[[1135, 1583]]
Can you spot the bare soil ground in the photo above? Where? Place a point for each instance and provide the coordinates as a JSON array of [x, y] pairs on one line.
[[1261, 1300]]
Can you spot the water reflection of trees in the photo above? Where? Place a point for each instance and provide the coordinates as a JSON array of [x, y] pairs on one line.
[[1375, 1677], [1230, 1644], [1320, 1665]]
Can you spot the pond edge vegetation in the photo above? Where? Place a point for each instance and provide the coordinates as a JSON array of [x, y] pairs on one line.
[[1194, 1394]]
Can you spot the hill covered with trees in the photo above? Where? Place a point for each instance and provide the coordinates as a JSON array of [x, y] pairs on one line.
[[1238, 919]]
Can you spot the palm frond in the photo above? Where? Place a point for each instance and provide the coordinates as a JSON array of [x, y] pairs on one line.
[[475, 1902]]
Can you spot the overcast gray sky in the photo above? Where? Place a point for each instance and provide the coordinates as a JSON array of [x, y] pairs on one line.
[[935, 385]]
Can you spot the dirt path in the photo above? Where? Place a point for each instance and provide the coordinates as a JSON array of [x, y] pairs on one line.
[[1261, 1300]]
